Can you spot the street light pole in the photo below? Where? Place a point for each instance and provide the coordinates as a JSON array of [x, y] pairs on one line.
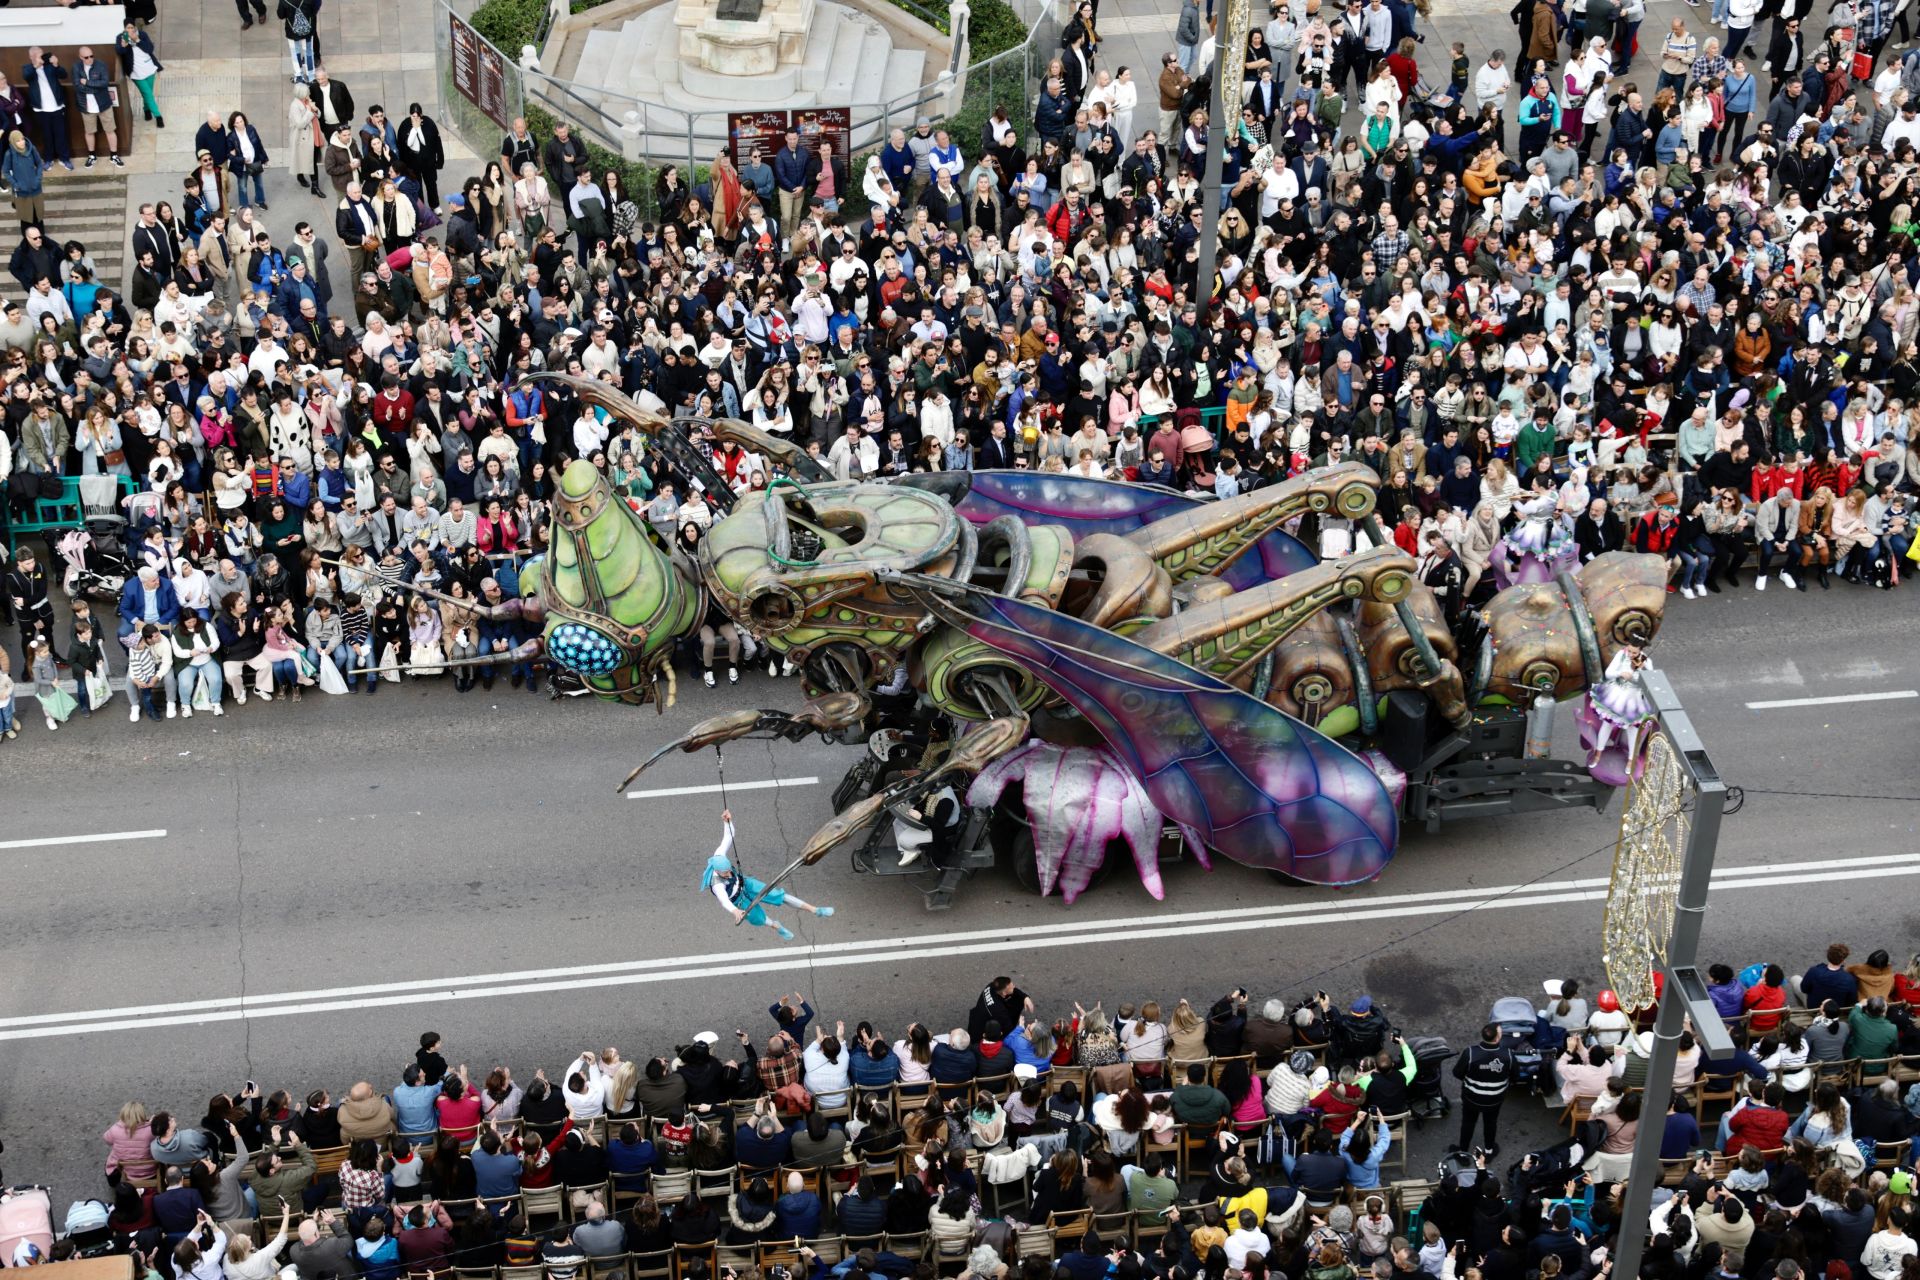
[[1684, 993], [1210, 182]]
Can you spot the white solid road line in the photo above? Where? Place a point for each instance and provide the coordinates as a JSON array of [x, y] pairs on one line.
[[890, 950], [716, 788], [1890, 695], [104, 837]]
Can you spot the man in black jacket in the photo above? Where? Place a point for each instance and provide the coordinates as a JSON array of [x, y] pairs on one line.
[[1001, 1002], [1360, 1032], [32, 607], [334, 103], [1598, 531], [1485, 1071], [1393, 1068], [996, 451], [34, 258]]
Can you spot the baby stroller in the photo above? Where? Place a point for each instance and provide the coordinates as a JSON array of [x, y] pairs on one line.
[[26, 1224], [1519, 1026], [1431, 1054], [95, 567]]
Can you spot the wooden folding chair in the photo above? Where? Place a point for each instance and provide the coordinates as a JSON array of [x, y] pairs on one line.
[[995, 1087], [684, 1255], [1219, 1067], [829, 1249], [652, 1266], [907, 1244], [544, 1201], [785, 1253], [672, 1186], [1034, 1241], [716, 1184], [1396, 1157], [1114, 1226], [1070, 1225]]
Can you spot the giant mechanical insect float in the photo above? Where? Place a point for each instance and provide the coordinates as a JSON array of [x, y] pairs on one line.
[[1144, 666]]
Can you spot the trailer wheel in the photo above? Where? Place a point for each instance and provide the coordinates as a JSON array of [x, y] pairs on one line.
[[1021, 860]]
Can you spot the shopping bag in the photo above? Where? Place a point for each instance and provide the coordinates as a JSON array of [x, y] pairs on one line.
[[390, 661], [303, 664], [1863, 66], [428, 660], [330, 679], [202, 699], [99, 690], [59, 704]]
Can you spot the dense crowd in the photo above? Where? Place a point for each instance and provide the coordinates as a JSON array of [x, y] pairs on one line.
[[1696, 341], [1235, 1141]]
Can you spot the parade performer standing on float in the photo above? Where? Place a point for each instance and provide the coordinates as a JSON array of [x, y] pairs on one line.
[[744, 897]]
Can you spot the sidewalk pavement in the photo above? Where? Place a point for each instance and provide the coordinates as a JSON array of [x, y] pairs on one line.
[[383, 52]]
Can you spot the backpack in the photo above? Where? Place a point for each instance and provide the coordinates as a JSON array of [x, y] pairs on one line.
[[299, 25]]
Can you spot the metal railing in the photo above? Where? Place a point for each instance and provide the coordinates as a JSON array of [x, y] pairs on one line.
[[655, 133]]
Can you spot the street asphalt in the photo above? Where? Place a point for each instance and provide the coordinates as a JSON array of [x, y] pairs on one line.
[[363, 868]]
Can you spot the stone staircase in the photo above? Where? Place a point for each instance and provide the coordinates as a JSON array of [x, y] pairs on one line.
[[851, 61], [90, 205]]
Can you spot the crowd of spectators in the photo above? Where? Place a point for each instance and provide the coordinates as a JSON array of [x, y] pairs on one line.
[[1697, 341], [1244, 1140]]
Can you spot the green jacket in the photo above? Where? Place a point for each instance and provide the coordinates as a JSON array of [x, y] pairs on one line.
[[1872, 1037], [1535, 440], [1200, 1105], [285, 1184]]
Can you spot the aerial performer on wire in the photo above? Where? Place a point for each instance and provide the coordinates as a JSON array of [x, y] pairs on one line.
[[744, 897]]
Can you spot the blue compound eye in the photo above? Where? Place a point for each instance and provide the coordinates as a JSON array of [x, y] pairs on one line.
[[580, 648]]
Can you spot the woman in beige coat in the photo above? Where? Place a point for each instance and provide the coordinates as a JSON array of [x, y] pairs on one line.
[[304, 139]]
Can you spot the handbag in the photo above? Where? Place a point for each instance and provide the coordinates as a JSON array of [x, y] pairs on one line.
[[371, 244], [114, 457], [58, 704]]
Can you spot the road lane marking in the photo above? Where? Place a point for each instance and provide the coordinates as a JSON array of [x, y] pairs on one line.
[[716, 788], [891, 950], [103, 837], [1890, 695]]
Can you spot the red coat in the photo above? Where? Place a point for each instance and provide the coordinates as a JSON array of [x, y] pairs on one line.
[[1338, 1104], [1763, 1002], [1762, 1127]]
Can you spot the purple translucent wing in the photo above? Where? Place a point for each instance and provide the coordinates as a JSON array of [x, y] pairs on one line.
[[1084, 505], [1244, 777]]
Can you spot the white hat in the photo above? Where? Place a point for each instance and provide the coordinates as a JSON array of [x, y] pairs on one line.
[[1025, 1071]]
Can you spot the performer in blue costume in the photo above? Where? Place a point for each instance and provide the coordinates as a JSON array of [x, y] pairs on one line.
[[735, 891]]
